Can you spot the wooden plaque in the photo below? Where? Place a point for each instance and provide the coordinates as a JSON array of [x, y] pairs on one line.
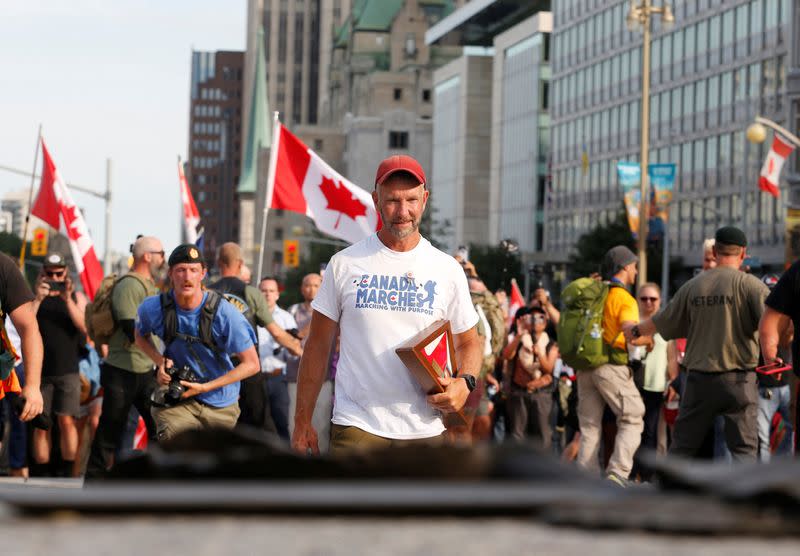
[[431, 354]]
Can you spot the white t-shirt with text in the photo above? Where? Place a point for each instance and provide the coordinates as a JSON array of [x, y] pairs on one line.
[[381, 298]]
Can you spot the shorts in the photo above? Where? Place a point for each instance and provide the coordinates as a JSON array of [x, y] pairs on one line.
[[62, 394]]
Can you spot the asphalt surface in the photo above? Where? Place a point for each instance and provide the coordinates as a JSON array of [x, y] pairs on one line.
[[68, 533]]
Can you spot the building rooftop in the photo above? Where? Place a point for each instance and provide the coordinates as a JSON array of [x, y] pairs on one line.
[[378, 15], [478, 21]]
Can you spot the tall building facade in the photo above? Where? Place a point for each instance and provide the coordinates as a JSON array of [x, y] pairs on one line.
[[520, 134], [380, 83], [722, 63], [462, 124], [292, 35], [215, 131], [491, 126]]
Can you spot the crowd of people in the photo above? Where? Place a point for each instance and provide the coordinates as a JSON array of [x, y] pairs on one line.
[[596, 378]]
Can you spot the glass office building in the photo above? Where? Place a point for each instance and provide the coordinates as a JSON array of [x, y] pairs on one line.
[[722, 63]]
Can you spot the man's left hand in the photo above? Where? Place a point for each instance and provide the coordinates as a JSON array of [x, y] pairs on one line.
[[454, 396], [193, 389]]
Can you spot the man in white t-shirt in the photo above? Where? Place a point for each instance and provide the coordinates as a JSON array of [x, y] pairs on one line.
[[380, 292]]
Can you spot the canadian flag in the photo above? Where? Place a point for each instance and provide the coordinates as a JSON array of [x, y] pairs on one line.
[[771, 171], [55, 206], [191, 216], [516, 302], [300, 181]]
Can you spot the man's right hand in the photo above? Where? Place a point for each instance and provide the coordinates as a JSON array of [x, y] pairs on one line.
[[304, 439], [41, 289], [161, 374]]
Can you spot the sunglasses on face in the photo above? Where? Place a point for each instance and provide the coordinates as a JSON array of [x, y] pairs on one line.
[[157, 253], [54, 273], [648, 299], [539, 318]]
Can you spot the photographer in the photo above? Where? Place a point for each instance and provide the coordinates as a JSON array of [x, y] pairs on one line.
[[532, 358], [200, 331], [60, 314]]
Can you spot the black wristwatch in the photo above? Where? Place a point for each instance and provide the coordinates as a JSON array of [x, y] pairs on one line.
[[470, 380]]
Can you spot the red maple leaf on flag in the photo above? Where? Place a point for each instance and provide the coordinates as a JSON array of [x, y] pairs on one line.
[[341, 200]]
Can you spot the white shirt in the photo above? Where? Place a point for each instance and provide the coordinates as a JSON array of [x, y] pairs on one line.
[[267, 344], [381, 298]]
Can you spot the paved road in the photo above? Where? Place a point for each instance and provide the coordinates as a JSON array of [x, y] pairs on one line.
[[68, 533]]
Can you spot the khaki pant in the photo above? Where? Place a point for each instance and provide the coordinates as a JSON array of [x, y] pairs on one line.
[[192, 415], [612, 385], [345, 439]]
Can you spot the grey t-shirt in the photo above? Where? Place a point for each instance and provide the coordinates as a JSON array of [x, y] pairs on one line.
[[718, 313]]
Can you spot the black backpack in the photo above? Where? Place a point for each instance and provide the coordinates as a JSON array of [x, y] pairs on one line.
[[207, 314]]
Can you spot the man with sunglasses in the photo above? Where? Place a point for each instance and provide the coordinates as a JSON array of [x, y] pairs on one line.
[[59, 312], [127, 373]]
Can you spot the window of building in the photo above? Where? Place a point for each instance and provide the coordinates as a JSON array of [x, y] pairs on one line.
[[278, 233], [398, 139], [754, 88], [398, 93], [714, 32], [426, 95], [742, 22], [726, 88]]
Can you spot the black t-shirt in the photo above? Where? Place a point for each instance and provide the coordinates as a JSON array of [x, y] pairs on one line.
[[14, 290], [785, 298]]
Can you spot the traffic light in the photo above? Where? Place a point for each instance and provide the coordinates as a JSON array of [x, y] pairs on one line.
[[291, 253], [39, 243]]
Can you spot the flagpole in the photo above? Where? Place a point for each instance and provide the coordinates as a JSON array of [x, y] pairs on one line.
[[273, 162], [107, 255], [30, 202]]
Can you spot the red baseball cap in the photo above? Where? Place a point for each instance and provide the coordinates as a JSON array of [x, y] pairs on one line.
[[399, 163]]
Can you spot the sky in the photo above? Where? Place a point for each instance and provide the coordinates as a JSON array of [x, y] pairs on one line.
[[108, 79]]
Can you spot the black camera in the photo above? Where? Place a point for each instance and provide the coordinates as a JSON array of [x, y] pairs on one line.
[[175, 389], [537, 276], [56, 286]]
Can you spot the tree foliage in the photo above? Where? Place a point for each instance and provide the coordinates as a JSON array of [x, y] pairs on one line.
[[496, 266], [592, 246]]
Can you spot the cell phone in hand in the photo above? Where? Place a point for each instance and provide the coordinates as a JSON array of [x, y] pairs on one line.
[[56, 286]]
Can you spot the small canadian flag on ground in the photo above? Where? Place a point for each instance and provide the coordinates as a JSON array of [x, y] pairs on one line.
[[771, 171], [302, 182]]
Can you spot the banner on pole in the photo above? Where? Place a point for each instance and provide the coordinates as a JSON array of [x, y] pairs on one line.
[[630, 178], [662, 183]]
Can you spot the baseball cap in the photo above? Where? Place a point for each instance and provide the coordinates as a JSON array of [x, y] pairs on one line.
[[186, 253], [400, 163], [617, 258], [55, 259], [731, 235]]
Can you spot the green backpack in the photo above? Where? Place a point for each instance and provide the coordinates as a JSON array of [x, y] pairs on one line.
[[580, 328]]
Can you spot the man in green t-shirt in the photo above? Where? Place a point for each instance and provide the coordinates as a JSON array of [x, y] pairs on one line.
[[718, 313], [127, 374]]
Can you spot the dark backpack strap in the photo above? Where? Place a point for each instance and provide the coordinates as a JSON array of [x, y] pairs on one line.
[[170, 318], [207, 319]]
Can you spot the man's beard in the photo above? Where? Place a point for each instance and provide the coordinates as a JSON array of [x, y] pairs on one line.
[[157, 272], [400, 234]]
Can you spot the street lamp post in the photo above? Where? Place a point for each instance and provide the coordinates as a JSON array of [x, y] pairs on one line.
[[638, 18]]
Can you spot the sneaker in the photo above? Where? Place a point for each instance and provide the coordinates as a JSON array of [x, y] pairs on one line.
[[618, 480]]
